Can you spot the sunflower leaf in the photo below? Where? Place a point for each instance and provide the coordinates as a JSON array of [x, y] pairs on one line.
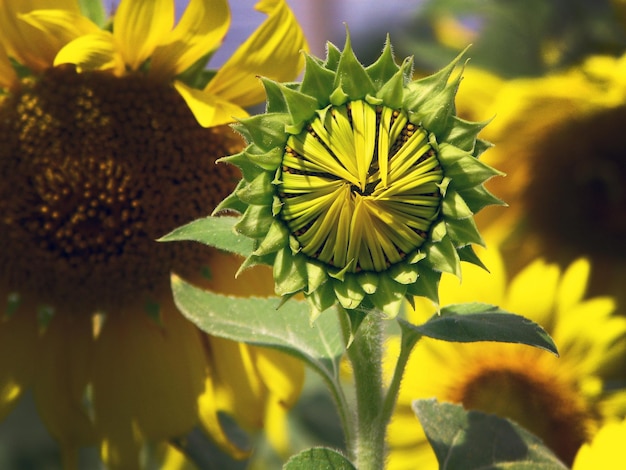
[[471, 322], [455, 435], [218, 232], [260, 322], [318, 458]]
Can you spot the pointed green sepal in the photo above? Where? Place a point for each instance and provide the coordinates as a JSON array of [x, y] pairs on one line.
[[274, 240], [318, 81], [256, 192], [351, 76], [289, 272], [255, 222], [385, 67]]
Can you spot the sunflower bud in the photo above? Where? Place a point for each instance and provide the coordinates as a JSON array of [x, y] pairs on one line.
[[360, 184]]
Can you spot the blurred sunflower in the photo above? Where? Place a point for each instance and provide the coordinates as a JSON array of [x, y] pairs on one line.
[[108, 139], [561, 400], [558, 138], [606, 450]]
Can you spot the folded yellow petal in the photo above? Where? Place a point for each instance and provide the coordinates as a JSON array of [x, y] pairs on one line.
[[59, 27], [95, 51], [139, 27], [27, 42], [272, 51], [199, 32], [209, 109]]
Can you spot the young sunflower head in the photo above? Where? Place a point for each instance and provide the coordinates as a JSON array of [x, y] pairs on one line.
[[360, 184]]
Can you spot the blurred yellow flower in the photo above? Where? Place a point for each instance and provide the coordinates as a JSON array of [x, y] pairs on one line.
[[558, 139], [606, 450], [106, 145], [560, 399]]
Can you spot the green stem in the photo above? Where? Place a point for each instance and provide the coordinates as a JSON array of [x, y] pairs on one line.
[[365, 353], [409, 339]]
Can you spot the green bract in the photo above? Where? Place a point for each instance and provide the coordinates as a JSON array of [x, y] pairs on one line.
[[360, 184]]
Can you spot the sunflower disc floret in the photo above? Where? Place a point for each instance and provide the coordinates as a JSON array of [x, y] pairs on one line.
[[360, 184]]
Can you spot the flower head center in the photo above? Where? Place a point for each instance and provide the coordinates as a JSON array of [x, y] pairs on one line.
[[360, 187], [585, 211], [532, 397], [94, 169]]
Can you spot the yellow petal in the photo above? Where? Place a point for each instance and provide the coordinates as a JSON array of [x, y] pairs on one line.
[[272, 51], [30, 41], [199, 32], [59, 26], [241, 392], [606, 450], [209, 417], [19, 354], [92, 52], [8, 77], [282, 374], [210, 110], [147, 378], [532, 292], [573, 284], [60, 386], [139, 27]]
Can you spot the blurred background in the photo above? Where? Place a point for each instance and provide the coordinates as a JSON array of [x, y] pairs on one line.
[[571, 200]]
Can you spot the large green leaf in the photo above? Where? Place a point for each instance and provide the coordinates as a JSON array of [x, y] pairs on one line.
[[466, 323], [318, 458], [218, 232], [472, 440], [259, 321]]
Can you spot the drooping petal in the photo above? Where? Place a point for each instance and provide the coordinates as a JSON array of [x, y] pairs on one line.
[[60, 386], [18, 353], [139, 27], [164, 360], [210, 110], [272, 51], [92, 52], [29, 44], [199, 32]]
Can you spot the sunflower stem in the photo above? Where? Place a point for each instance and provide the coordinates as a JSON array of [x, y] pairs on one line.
[[367, 447], [409, 340]]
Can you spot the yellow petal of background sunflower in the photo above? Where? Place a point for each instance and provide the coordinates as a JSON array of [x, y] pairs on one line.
[[532, 292], [19, 354], [283, 376], [30, 42], [8, 77], [272, 51], [92, 52], [60, 385], [210, 110], [606, 450], [199, 32], [147, 378], [139, 27]]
